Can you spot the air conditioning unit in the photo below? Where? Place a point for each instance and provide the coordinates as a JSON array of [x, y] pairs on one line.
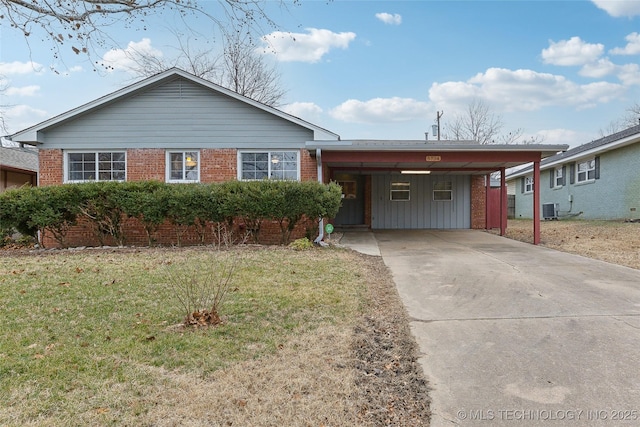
[[549, 211]]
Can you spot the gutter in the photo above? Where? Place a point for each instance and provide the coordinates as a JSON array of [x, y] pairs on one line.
[[321, 222]]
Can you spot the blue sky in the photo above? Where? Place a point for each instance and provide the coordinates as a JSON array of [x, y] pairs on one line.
[[558, 70]]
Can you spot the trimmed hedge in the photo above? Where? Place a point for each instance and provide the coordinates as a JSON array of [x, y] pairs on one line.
[[107, 205]]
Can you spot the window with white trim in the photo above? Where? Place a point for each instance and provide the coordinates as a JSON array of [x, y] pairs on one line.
[[400, 191], [95, 166], [442, 191], [183, 166], [528, 184], [558, 177], [280, 165], [586, 171]]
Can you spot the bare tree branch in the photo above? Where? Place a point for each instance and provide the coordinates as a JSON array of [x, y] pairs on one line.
[[3, 107], [238, 68], [246, 72], [477, 124], [83, 24]]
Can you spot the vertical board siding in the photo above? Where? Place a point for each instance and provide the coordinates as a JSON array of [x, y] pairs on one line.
[[421, 212], [176, 114]]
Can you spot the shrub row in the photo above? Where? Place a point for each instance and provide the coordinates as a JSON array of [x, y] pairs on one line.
[[106, 205]]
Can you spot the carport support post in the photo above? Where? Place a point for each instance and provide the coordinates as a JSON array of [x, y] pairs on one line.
[[536, 202], [503, 202]]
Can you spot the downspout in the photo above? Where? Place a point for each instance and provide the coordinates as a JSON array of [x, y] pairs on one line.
[[321, 222], [536, 202], [503, 202]]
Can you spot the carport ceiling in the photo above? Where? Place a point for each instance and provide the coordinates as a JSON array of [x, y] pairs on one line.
[[455, 157]]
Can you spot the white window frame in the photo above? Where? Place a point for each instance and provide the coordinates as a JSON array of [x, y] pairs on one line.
[[528, 184], [589, 171], [271, 155], [401, 192], [558, 177], [185, 159], [447, 189], [96, 153]]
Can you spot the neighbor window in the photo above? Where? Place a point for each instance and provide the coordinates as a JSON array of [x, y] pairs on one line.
[[587, 170], [400, 191], [558, 177], [96, 166], [442, 191], [528, 184], [183, 166], [268, 165]]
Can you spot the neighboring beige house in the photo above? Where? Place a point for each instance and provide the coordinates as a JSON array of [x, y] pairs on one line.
[[18, 166]]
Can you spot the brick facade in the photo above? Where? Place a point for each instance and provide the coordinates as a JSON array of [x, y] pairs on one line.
[[51, 168], [216, 165], [146, 164], [478, 202]]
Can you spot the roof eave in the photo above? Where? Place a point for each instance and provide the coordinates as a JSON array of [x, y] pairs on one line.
[[411, 145]]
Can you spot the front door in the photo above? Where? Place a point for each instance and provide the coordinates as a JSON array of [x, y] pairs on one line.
[[352, 210]]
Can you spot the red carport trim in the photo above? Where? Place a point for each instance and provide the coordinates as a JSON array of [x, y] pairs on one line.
[[414, 157]]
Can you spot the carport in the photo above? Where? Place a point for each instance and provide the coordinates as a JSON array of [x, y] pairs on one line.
[[414, 184]]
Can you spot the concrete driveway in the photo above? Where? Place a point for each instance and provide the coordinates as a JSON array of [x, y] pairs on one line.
[[515, 334]]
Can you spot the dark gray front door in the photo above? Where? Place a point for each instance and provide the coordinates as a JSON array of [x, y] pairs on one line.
[[352, 210]]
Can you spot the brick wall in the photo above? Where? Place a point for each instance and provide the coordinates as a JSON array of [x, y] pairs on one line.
[[308, 167], [51, 168], [216, 165], [478, 202], [83, 234], [146, 164]]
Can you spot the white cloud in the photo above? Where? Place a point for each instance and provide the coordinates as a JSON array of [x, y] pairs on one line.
[[22, 91], [380, 110], [17, 67], [23, 116], [629, 74], [388, 18], [632, 47], [571, 52], [598, 69], [522, 90], [305, 110], [309, 47], [619, 8], [124, 59]]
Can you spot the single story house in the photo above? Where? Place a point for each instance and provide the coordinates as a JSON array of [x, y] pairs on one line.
[[596, 180], [18, 167], [178, 128]]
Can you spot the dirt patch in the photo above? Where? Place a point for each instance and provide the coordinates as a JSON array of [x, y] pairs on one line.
[[617, 242], [389, 380]]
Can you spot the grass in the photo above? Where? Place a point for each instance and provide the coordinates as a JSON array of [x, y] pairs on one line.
[[92, 337], [616, 242]]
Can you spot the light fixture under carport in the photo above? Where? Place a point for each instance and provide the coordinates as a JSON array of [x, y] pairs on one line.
[[417, 172]]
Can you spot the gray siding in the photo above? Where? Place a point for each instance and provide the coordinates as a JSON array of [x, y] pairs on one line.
[[421, 211], [613, 196], [177, 114]]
